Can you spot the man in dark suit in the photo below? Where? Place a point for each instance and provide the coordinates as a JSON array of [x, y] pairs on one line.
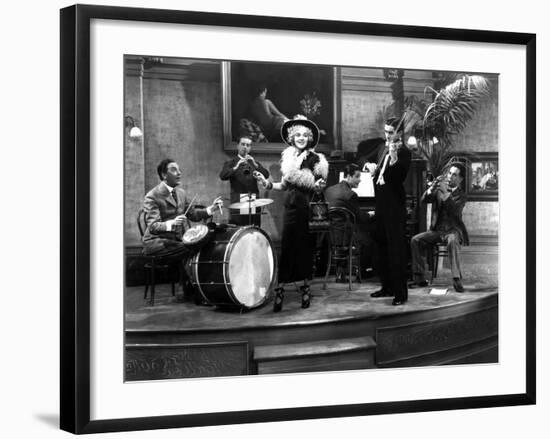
[[390, 213], [343, 195], [447, 227], [240, 173], [165, 206]]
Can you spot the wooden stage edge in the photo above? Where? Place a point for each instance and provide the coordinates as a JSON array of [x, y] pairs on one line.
[[342, 330]]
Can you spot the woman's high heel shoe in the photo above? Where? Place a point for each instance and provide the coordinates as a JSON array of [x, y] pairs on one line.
[[279, 297], [306, 296]]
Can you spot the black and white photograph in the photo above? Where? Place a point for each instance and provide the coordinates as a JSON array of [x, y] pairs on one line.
[[275, 219], [297, 218], [294, 217]]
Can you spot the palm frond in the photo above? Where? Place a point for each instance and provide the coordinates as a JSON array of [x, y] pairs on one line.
[[454, 106]]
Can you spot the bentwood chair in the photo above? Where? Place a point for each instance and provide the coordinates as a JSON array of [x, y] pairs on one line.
[[438, 250], [153, 264], [343, 248]]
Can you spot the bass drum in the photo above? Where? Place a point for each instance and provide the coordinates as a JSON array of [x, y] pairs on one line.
[[236, 268]]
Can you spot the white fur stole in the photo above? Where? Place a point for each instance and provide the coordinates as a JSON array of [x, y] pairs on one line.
[[291, 162]]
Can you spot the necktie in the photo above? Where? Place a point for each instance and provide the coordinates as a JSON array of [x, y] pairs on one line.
[[174, 196]]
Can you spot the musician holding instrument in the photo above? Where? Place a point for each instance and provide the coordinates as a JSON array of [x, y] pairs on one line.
[[390, 212], [304, 173], [448, 200], [166, 209], [240, 173]]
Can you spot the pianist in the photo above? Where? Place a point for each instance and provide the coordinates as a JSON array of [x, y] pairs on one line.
[[343, 195]]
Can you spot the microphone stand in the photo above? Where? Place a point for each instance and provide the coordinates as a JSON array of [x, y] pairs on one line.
[[249, 208]]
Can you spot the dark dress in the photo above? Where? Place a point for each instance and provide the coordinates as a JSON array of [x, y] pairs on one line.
[[298, 244], [391, 217]]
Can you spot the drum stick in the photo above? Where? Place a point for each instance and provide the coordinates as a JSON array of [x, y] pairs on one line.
[[190, 204], [220, 205]]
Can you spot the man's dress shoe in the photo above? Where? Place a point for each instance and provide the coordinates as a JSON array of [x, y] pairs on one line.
[[397, 302], [381, 293]]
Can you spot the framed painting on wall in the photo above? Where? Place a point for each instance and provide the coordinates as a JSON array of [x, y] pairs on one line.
[[259, 96], [483, 177]]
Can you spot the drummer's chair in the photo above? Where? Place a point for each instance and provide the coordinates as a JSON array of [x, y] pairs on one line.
[[343, 248], [154, 263]]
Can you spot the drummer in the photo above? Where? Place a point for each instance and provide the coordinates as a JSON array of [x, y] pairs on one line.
[[239, 171], [166, 208]]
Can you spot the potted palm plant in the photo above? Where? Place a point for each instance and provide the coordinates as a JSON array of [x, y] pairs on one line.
[[436, 124]]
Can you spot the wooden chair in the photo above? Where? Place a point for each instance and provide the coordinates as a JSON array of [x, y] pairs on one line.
[[342, 244], [154, 263], [438, 250]]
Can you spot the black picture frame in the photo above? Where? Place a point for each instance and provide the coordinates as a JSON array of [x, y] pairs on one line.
[[482, 177], [75, 213]]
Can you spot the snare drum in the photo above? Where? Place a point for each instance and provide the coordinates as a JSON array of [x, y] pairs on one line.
[[237, 268], [195, 237]]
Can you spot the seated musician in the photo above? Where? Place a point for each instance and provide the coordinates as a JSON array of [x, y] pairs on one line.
[[342, 195], [239, 171], [166, 208], [448, 200]]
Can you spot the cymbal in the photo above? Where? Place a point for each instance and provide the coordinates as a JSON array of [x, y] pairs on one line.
[[258, 202]]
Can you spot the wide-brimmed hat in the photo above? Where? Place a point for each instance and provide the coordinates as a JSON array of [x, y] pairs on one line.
[[300, 120]]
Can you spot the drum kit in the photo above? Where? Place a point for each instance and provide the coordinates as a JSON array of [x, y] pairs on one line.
[[232, 266], [250, 203]]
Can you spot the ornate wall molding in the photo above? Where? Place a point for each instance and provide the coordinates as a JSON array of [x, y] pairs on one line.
[[172, 69]]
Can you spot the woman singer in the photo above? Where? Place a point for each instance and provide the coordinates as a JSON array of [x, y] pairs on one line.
[[304, 173]]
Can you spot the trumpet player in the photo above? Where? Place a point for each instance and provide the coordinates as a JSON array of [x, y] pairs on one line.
[[240, 173], [448, 200]]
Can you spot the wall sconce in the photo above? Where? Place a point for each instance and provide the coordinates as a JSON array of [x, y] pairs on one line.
[[130, 122]]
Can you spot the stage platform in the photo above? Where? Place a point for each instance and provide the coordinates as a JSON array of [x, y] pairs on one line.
[[341, 330]]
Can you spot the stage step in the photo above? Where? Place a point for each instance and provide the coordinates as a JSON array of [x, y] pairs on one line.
[[324, 355]]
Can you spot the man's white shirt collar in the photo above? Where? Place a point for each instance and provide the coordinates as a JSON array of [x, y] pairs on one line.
[[170, 188]]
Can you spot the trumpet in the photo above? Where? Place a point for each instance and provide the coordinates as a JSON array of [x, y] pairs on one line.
[[247, 165], [441, 183]]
